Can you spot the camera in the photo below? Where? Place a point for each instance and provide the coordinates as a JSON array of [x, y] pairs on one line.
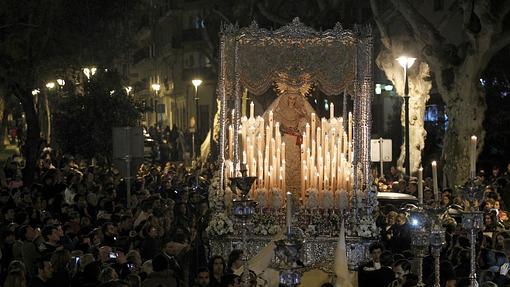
[[113, 255]]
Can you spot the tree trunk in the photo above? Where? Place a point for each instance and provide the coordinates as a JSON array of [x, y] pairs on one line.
[[3, 124], [419, 88], [466, 106], [32, 145]]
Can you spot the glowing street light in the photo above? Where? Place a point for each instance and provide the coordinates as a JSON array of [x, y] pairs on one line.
[[50, 85], [406, 63], [128, 89], [35, 92], [89, 72], [156, 87], [196, 83], [61, 82]]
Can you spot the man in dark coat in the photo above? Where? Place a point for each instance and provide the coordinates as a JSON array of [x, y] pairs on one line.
[[376, 272], [161, 276]]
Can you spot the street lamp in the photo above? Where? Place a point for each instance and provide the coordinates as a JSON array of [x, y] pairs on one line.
[[196, 83], [406, 63], [128, 90], [50, 85], [156, 88], [61, 82], [89, 72]]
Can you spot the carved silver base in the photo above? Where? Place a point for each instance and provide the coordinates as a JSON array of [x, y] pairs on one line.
[[318, 252]]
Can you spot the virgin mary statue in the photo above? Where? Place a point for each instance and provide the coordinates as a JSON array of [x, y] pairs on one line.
[[293, 112]]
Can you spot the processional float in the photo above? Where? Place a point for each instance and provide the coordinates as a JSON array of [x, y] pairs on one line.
[[318, 166]]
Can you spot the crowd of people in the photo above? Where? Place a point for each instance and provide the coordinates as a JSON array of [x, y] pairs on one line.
[[393, 260], [73, 227]]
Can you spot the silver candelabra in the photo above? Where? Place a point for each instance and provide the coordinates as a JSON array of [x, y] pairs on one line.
[[244, 208], [472, 221]]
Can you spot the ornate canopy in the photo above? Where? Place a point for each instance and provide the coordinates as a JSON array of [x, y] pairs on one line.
[[334, 61]]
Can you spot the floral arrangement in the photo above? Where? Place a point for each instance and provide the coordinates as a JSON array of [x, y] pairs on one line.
[[327, 199], [265, 224], [342, 201], [276, 198], [313, 198], [220, 224], [366, 227], [261, 197]]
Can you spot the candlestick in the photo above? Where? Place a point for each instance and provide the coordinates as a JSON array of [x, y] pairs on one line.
[[420, 185], [472, 157], [331, 110], [289, 212], [252, 110], [434, 178]]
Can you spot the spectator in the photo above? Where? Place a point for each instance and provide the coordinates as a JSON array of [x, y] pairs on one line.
[[44, 273], [202, 279], [216, 270], [162, 276], [15, 278]]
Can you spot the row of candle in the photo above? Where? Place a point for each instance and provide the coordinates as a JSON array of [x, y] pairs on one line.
[[435, 187], [326, 155], [262, 151]]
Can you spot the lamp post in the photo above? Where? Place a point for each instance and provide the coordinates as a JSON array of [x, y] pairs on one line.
[[50, 86], [196, 83], [156, 87], [406, 63]]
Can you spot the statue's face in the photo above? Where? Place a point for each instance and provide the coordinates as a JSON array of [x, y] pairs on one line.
[[292, 99]]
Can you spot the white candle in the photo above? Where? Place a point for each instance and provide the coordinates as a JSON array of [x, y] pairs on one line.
[[312, 132], [230, 142], [331, 110], [289, 211], [472, 157], [420, 185], [434, 178], [252, 110]]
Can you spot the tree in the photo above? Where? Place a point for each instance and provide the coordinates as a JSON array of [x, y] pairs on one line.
[[456, 55], [83, 123], [42, 40]]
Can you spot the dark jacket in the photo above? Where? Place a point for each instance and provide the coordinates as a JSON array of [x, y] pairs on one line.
[[370, 277], [160, 279]]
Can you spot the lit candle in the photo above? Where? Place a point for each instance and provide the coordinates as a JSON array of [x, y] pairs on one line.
[[331, 110], [420, 185], [434, 178], [289, 211], [252, 110], [230, 142], [312, 132], [472, 157], [303, 176]]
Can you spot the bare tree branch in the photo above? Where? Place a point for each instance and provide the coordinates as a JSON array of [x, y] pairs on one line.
[[270, 16], [385, 37], [452, 10], [504, 9], [422, 28], [501, 41]]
